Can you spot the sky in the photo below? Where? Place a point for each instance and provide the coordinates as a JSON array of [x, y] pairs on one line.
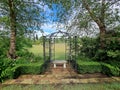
[[52, 19]]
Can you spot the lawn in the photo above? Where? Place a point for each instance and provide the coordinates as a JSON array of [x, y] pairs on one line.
[[36, 50], [59, 51], [100, 86]]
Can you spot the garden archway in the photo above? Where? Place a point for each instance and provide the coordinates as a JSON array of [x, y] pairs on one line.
[[49, 46]]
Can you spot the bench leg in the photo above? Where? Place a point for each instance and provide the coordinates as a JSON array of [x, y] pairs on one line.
[[64, 65], [54, 65]]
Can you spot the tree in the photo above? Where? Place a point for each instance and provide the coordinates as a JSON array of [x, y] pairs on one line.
[[22, 15], [86, 14], [100, 17]]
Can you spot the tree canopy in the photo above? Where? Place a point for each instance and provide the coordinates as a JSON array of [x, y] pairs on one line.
[[77, 16]]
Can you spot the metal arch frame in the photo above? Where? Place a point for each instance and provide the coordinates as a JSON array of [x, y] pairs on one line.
[[61, 32], [70, 53]]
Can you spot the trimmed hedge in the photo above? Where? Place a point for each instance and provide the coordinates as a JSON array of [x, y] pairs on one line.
[[33, 68], [97, 67], [30, 68], [110, 70], [88, 67]]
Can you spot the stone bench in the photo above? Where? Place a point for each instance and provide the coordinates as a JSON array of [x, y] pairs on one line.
[[59, 62]]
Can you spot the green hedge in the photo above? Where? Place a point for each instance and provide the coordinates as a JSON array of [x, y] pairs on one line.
[[8, 73], [110, 70], [33, 68], [95, 67], [88, 67]]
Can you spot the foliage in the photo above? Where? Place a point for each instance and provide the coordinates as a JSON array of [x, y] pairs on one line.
[[28, 60], [114, 54], [5, 67], [4, 46], [88, 67], [111, 51], [10, 69], [110, 70], [88, 47], [114, 63], [93, 67], [21, 43], [27, 14], [14, 72], [35, 68], [21, 16]]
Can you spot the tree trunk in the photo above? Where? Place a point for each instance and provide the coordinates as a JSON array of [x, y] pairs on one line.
[[12, 49], [102, 36]]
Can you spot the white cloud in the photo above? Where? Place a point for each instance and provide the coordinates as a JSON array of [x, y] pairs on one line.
[[52, 27]]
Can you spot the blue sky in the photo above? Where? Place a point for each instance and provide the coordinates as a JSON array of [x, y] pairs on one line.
[[52, 16], [53, 13]]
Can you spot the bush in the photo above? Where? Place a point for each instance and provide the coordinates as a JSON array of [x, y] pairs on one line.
[[93, 67], [88, 67], [9, 73], [12, 69], [24, 53], [88, 46], [14, 72], [27, 57], [110, 70], [5, 68], [101, 55], [35, 68]]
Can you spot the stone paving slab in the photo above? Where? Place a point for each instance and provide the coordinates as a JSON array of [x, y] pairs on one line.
[[59, 80]]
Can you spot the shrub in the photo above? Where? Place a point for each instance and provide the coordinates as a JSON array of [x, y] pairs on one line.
[[35, 68], [9, 73], [5, 68], [24, 53], [88, 67], [14, 72], [27, 57], [88, 47], [110, 70]]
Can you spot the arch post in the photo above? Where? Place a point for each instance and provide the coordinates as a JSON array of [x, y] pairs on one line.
[[44, 52], [50, 48], [75, 39]]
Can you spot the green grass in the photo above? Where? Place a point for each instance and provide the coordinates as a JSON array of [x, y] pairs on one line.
[[36, 50], [100, 86], [59, 50]]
